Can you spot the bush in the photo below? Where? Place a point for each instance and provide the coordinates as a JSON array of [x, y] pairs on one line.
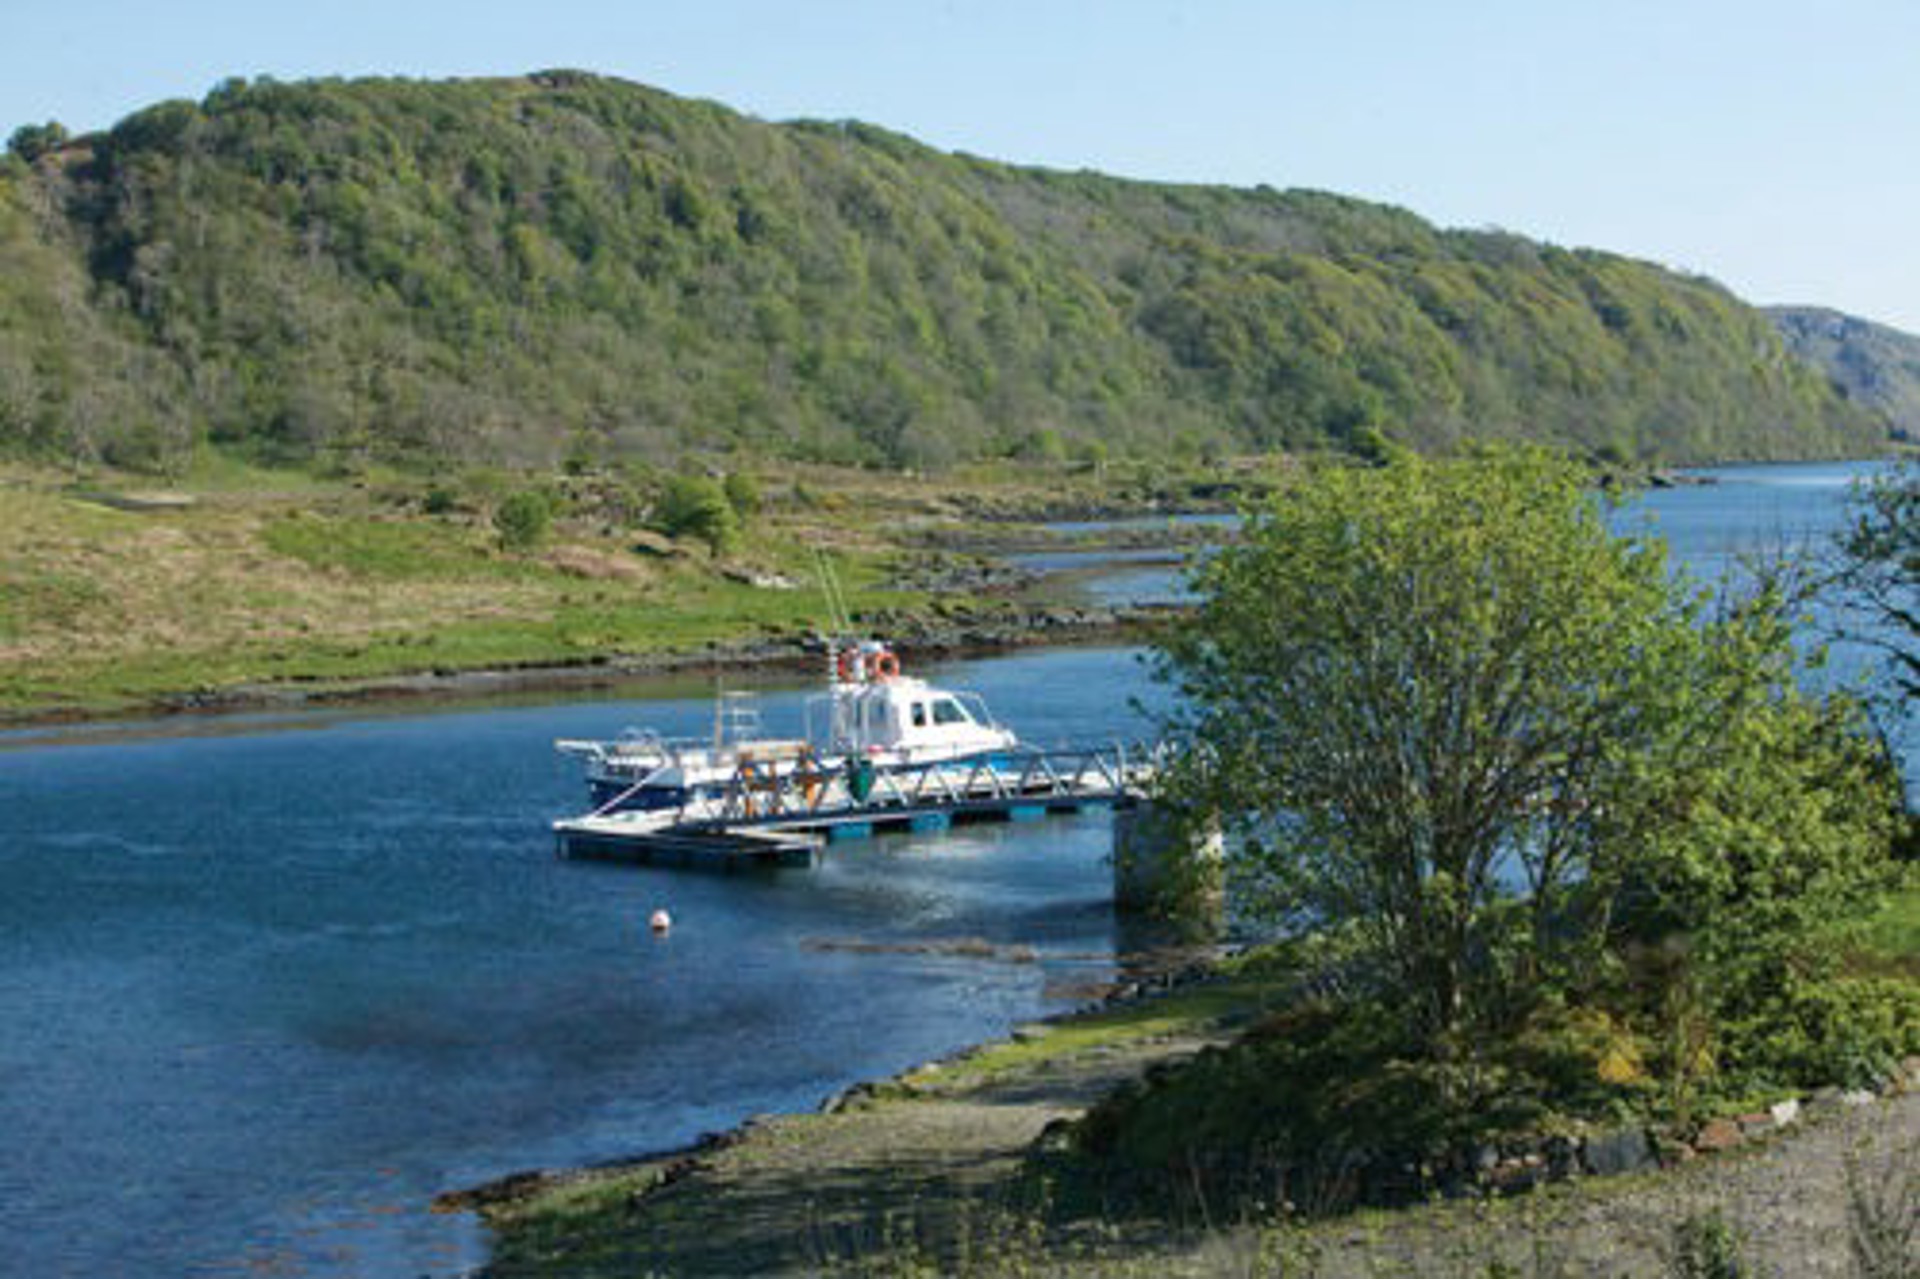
[[522, 520], [743, 495], [696, 506]]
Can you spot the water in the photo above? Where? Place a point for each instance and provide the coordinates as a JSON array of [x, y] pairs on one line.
[[1710, 529], [266, 993], [269, 984]]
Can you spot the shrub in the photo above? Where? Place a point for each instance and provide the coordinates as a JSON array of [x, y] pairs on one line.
[[522, 520], [696, 506]]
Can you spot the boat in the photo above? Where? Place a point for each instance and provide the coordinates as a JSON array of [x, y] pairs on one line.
[[873, 718]]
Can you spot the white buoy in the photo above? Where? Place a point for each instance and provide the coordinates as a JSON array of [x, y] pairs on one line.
[[660, 921]]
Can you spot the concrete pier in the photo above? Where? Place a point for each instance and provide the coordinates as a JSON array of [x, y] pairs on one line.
[[1164, 867]]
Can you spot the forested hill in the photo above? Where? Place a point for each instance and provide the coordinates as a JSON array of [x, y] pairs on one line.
[[566, 265], [1875, 365]]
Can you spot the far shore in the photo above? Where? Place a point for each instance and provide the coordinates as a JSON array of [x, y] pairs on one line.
[[1048, 625]]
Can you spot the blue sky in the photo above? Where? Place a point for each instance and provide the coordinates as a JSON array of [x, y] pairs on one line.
[[1770, 145]]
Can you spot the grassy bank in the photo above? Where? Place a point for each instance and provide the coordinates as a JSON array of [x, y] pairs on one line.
[[118, 598]]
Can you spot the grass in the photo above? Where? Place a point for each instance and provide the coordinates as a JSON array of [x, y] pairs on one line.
[[1186, 1010], [108, 611]]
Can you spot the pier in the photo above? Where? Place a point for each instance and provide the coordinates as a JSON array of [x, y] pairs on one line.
[[766, 816]]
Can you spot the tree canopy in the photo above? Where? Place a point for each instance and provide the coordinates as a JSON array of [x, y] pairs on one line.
[[520, 270], [1441, 703]]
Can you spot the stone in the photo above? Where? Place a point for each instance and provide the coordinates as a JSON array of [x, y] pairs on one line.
[[1757, 1124], [1717, 1135], [1612, 1153], [1858, 1097], [1785, 1113]]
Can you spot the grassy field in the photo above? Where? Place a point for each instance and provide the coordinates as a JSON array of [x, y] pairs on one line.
[[116, 596], [113, 600]]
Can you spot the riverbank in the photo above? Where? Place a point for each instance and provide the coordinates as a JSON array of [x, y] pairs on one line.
[[927, 1173], [956, 635], [125, 603]]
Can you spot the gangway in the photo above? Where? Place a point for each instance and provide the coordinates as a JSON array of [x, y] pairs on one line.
[[782, 815]]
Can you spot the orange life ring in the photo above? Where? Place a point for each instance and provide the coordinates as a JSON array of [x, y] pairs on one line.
[[884, 666]]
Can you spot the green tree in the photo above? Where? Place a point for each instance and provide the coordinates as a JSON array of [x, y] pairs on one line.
[[1431, 699], [697, 506], [31, 141], [1880, 575], [522, 520]]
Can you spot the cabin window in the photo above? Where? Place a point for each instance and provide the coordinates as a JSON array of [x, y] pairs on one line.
[[947, 711], [919, 714]]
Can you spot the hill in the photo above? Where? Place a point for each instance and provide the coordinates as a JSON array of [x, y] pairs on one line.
[[566, 266], [1874, 365]]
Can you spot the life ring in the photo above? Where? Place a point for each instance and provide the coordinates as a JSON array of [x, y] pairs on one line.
[[884, 666], [845, 666]]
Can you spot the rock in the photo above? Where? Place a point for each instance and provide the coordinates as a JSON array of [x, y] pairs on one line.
[[1612, 1153], [647, 542], [1757, 1124], [755, 578], [1717, 1135], [1785, 1113], [1056, 1138], [1858, 1097]]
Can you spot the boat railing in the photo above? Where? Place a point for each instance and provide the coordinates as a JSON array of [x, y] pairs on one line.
[[813, 788]]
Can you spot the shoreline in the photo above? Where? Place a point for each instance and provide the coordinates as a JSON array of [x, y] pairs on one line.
[[1160, 973], [1033, 627], [937, 1150]]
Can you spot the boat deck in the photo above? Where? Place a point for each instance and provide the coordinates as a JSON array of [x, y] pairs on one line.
[[785, 820]]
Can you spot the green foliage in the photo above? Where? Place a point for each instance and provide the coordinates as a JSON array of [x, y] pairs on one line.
[[743, 494], [507, 271], [1315, 1101], [1441, 703], [522, 520], [31, 141], [697, 506]]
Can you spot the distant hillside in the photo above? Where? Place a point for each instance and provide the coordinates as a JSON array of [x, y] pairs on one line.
[[565, 265], [1875, 366]]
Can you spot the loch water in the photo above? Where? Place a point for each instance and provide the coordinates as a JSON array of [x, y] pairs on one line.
[[270, 983]]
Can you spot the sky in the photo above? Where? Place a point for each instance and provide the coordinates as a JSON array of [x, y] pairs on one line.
[[1769, 145]]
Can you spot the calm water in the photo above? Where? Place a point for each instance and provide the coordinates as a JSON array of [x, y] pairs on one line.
[[269, 988], [266, 993], [1747, 510]]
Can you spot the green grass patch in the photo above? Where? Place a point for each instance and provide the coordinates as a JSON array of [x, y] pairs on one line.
[[34, 598], [388, 550], [1186, 1010]]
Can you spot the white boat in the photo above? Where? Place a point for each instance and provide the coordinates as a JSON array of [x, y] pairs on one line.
[[871, 714]]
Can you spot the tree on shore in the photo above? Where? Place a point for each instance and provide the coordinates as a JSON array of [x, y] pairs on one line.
[[1440, 702], [1881, 571]]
